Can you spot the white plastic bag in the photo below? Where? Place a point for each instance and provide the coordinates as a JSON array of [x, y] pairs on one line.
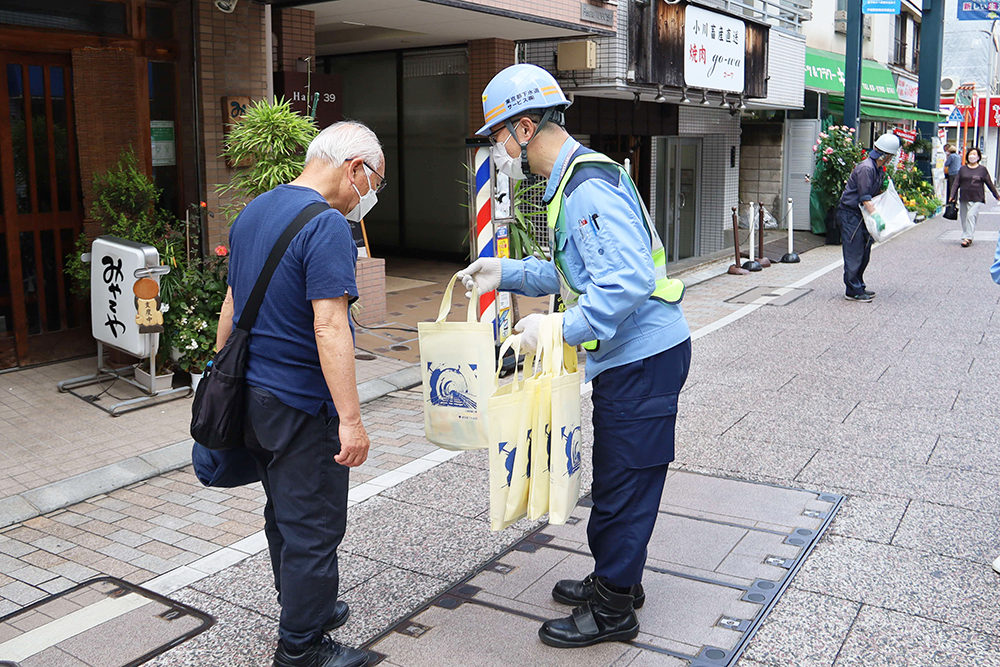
[[457, 362], [890, 217]]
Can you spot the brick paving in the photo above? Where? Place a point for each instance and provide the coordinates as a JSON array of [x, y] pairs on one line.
[[36, 449]]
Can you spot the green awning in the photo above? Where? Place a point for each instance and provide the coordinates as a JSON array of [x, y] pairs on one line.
[[889, 112], [825, 73]]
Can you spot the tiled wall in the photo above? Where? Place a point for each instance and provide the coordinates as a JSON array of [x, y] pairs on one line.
[[231, 62], [557, 10], [612, 57], [296, 33], [760, 166], [720, 182], [486, 58], [371, 291]]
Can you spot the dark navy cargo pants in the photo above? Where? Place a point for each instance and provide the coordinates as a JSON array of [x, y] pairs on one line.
[[635, 410], [856, 243], [306, 512]]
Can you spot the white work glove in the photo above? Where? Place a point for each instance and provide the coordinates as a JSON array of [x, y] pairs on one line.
[[528, 328], [484, 273]]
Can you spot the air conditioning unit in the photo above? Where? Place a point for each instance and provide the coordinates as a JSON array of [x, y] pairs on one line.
[[948, 85]]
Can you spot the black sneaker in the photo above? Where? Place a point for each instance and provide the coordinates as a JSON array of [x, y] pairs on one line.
[[327, 653], [870, 293], [863, 297], [341, 612]]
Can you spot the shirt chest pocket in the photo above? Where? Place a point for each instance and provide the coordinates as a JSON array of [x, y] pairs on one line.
[[593, 253]]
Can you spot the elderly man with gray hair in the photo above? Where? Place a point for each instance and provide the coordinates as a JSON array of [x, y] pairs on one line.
[[303, 423]]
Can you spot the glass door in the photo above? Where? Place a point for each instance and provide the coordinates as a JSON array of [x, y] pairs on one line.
[[677, 212], [42, 213]]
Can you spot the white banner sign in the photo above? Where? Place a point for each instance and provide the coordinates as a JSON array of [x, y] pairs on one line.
[[907, 89], [714, 50]]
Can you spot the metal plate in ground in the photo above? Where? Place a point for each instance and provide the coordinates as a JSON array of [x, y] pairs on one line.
[[722, 553], [104, 622], [770, 296]]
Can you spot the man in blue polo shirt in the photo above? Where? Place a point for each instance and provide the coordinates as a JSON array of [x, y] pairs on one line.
[[303, 415]]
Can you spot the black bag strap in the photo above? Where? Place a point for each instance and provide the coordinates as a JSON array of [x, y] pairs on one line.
[[249, 315]]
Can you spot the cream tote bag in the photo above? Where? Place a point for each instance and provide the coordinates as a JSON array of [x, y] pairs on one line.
[[504, 419], [564, 457], [457, 362]]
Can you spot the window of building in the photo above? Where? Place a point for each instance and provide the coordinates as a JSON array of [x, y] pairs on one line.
[[899, 51], [105, 17], [916, 47]]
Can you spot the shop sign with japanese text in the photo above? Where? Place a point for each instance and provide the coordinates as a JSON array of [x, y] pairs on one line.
[[114, 302], [714, 50], [978, 11]]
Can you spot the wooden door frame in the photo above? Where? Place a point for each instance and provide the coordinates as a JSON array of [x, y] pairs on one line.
[[13, 223]]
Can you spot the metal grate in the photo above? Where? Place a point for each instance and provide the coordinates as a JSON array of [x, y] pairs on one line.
[[436, 63]]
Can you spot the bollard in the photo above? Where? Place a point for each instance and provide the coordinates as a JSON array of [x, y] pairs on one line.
[[751, 264], [764, 261], [736, 269], [789, 257]]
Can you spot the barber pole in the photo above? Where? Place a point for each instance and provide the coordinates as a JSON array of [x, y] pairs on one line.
[[484, 229]]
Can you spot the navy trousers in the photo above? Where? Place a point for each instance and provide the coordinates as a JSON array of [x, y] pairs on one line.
[[635, 410], [306, 512], [856, 243]]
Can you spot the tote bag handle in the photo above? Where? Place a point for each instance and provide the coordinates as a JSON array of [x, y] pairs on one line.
[[512, 343], [446, 303]]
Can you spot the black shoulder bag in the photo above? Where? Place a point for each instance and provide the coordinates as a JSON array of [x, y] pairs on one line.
[[220, 403]]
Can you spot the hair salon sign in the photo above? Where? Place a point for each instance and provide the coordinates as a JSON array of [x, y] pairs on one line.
[[714, 50]]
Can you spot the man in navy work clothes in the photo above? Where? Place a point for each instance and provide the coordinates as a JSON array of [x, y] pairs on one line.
[[303, 420], [864, 183], [609, 265]]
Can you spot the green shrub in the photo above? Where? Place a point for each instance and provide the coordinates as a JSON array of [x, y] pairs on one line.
[[268, 147]]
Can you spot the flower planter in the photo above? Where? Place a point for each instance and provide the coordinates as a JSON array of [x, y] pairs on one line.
[[195, 379], [913, 215], [162, 383]]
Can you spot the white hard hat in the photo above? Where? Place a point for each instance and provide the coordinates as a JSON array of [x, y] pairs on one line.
[[516, 90], [888, 144]]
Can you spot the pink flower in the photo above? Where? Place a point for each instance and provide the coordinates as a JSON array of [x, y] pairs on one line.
[[851, 130], [823, 135], [221, 251], [826, 159], [828, 151], [814, 148]]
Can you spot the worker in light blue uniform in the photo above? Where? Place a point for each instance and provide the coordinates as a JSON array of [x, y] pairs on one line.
[[609, 265]]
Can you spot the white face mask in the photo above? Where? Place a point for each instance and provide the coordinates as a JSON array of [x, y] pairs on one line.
[[507, 165], [367, 203], [973, 159]]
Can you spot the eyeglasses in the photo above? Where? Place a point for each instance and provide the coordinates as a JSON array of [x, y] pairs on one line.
[[381, 183]]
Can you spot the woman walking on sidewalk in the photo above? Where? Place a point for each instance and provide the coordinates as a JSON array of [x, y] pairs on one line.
[[969, 184]]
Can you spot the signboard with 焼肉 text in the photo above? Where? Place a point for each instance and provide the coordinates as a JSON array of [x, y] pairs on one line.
[[714, 50]]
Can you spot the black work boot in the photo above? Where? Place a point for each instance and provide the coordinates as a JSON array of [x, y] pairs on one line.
[[607, 617], [327, 653], [575, 592], [340, 614]]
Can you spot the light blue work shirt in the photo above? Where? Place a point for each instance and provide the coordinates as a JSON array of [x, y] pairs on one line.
[[995, 269], [606, 253]]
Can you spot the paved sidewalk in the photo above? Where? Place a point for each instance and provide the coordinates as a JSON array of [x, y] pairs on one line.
[[889, 403]]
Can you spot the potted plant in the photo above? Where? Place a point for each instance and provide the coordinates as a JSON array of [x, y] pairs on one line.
[[126, 205], [268, 146], [195, 319]]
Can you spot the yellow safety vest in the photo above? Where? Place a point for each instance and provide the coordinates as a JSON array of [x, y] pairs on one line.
[[667, 290]]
